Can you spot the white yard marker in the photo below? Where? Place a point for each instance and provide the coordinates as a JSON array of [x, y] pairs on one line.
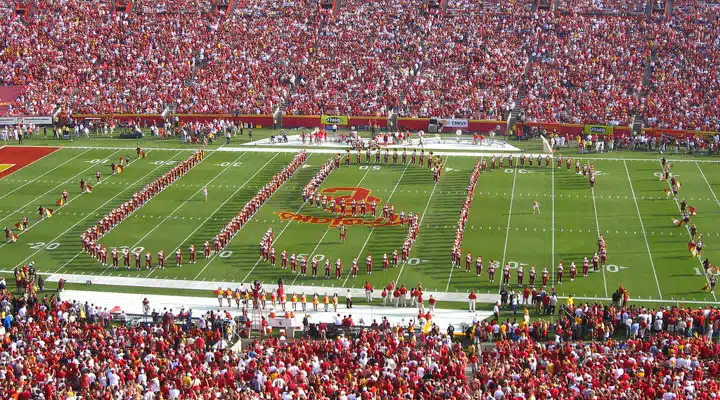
[[507, 234], [373, 229], [90, 214], [33, 201], [422, 218], [597, 226], [249, 219], [687, 229], [707, 183], [327, 230], [642, 227], [40, 176]]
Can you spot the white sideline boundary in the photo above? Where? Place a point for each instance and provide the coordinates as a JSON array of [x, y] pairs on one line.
[[358, 293]]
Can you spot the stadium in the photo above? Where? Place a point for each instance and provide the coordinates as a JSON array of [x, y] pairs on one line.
[[344, 199]]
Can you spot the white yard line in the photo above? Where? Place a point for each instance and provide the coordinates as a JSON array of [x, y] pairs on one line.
[[40, 176], [597, 226], [422, 218], [327, 230], [53, 189], [687, 229], [373, 229], [552, 230], [251, 217], [507, 229], [642, 227], [87, 216], [707, 183], [447, 287]]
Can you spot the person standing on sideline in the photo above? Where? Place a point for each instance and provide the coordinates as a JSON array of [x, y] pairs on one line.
[[348, 299], [472, 298]]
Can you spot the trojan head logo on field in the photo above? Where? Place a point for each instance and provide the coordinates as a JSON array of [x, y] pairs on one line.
[[348, 194]]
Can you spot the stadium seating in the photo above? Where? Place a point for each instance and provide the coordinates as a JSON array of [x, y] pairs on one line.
[[587, 63]]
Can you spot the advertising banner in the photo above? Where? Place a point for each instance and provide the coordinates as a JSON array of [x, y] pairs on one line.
[[26, 120], [598, 130], [453, 123], [334, 119]]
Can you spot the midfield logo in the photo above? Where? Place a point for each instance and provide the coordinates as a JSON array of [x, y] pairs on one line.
[[348, 194]]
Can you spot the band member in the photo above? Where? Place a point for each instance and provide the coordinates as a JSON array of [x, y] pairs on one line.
[[560, 270], [478, 266], [491, 271], [293, 263], [303, 266], [368, 264], [65, 196], [283, 259], [126, 258], [385, 261], [148, 260], [343, 231], [314, 262], [354, 268], [586, 267], [161, 259], [206, 249], [327, 268], [520, 275], [533, 275], [573, 271], [138, 257], [191, 250], [338, 269], [468, 262], [178, 258], [98, 176], [115, 258], [535, 207], [506, 274], [82, 185]]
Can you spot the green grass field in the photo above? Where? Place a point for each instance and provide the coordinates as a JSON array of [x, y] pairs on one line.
[[647, 253]]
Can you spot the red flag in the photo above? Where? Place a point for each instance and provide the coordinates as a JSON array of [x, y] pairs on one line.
[[677, 222], [14, 238], [49, 212], [119, 169], [19, 225], [88, 188], [692, 210], [668, 192], [60, 202]]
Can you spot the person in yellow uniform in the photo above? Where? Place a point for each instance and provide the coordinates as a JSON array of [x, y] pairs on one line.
[[315, 302], [326, 301], [294, 300], [334, 302]]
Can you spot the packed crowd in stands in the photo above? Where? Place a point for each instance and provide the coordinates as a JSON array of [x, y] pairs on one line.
[[473, 60], [55, 349]]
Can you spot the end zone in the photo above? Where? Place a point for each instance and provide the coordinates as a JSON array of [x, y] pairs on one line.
[[14, 158]]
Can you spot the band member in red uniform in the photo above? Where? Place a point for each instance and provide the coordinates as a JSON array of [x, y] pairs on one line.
[[314, 263], [206, 249], [343, 232], [368, 264], [82, 185], [126, 258], [338, 269], [394, 258], [25, 222], [65, 196], [97, 176], [545, 276], [327, 269], [148, 260], [354, 268], [586, 267], [272, 256], [283, 259], [520, 275], [560, 270], [191, 251], [137, 260], [533, 273], [478, 266], [573, 271], [596, 262], [178, 258], [115, 258], [506, 274], [293, 263], [161, 259], [491, 271], [385, 261], [468, 262], [303, 266]]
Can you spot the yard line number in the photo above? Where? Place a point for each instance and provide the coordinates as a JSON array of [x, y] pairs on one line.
[[373, 167], [43, 245]]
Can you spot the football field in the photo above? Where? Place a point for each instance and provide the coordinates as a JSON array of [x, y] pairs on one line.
[[646, 252]]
